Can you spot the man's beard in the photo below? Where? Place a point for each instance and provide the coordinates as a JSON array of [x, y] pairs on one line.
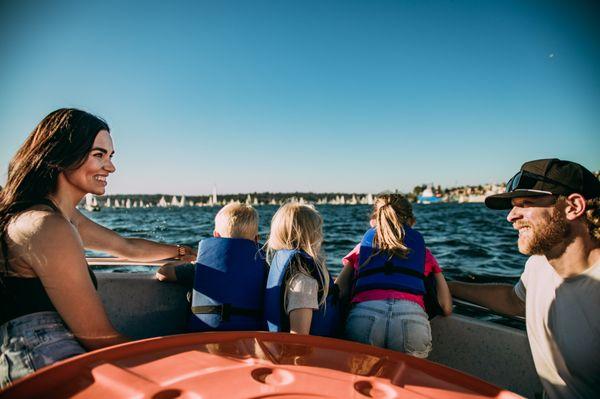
[[547, 236]]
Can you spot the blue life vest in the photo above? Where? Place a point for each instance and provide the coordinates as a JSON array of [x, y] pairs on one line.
[[386, 272], [325, 320], [229, 283]]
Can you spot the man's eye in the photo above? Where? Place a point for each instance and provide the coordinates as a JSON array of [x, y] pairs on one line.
[[98, 155]]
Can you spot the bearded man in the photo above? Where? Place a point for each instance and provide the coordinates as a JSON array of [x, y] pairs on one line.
[[555, 208]]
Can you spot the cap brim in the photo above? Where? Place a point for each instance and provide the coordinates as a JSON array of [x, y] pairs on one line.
[[503, 201]]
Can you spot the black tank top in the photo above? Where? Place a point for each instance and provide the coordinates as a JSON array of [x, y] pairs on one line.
[[25, 295]]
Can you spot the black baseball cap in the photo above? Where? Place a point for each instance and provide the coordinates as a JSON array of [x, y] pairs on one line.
[[547, 177]]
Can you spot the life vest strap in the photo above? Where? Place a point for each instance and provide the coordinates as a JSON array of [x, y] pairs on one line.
[[226, 311], [389, 268]]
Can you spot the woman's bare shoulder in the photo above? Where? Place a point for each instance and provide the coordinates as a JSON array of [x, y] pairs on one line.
[[38, 222]]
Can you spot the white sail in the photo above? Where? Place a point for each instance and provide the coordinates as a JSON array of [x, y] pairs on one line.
[[162, 202], [128, 203], [428, 192], [91, 204], [214, 195]]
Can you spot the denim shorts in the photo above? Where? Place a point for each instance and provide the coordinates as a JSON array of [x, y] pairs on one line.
[[395, 324], [33, 341]]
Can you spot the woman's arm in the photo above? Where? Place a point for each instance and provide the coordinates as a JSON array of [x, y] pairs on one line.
[[50, 245], [443, 293], [100, 238]]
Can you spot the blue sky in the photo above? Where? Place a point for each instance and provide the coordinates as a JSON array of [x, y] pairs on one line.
[[356, 96]]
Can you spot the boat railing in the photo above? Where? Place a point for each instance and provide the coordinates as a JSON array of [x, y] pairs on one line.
[[474, 306], [112, 262]]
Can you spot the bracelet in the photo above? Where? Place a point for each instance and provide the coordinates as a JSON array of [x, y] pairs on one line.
[[181, 250]]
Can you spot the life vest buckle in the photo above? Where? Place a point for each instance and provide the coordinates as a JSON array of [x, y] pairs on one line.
[[225, 311]]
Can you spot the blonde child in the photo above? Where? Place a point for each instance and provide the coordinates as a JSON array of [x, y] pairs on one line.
[[385, 275], [300, 296], [228, 276]]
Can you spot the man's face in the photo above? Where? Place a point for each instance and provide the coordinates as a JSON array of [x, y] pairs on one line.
[[541, 223]]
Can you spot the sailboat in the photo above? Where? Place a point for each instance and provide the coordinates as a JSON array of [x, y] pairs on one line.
[[91, 204]]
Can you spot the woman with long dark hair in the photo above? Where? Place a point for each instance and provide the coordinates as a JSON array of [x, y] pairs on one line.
[[50, 309]]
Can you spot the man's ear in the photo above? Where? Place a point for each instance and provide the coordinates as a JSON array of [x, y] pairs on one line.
[[216, 234], [575, 206]]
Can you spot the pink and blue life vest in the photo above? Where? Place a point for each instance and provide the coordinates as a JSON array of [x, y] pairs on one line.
[[229, 286], [382, 271]]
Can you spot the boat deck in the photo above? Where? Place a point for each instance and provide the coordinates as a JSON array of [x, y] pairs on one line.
[[141, 307]]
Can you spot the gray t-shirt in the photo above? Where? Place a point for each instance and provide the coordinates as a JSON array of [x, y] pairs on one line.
[[563, 327], [302, 292]]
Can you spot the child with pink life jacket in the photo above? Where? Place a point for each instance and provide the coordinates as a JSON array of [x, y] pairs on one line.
[[386, 277]]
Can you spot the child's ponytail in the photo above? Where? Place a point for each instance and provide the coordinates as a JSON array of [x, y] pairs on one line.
[[391, 213]]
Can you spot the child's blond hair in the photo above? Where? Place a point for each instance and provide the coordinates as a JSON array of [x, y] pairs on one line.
[[390, 213], [300, 227], [237, 220]]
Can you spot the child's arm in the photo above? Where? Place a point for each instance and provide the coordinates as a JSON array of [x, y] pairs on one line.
[[443, 293], [300, 320], [444, 297], [346, 277], [301, 299], [344, 281], [177, 271]]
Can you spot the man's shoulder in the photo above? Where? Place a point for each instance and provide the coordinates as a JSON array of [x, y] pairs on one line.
[[535, 266], [536, 260]]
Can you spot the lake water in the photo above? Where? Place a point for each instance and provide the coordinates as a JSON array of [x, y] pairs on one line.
[[471, 242]]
